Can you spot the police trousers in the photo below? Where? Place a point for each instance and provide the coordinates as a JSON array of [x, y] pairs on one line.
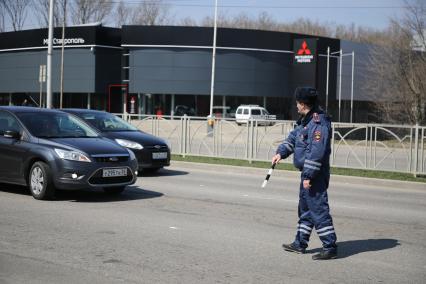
[[314, 212]]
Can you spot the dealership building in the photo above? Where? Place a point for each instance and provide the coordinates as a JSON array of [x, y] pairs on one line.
[[152, 69]]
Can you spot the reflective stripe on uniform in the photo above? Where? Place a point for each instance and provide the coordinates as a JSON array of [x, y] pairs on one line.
[[324, 229], [304, 229], [304, 226], [326, 233], [313, 163], [311, 167]]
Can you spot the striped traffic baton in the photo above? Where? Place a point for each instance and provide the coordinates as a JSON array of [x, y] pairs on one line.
[[268, 175]]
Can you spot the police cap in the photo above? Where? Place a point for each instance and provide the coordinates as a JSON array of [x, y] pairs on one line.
[[306, 95]]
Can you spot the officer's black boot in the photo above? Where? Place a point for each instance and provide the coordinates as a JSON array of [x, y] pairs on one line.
[[293, 248], [325, 254]]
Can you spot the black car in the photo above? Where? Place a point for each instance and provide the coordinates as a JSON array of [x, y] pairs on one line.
[[152, 152], [49, 149]]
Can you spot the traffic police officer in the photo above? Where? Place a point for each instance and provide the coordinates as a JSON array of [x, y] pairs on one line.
[[310, 144]]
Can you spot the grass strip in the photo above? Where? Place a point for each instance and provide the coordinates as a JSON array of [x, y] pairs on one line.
[[290, 167]]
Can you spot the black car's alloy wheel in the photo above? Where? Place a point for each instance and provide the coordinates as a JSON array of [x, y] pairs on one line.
[[40, 181]]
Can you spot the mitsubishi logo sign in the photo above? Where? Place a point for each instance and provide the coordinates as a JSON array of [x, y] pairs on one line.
[[304, 50]]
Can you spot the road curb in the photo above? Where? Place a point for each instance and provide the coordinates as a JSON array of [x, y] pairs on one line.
[[296, 175]]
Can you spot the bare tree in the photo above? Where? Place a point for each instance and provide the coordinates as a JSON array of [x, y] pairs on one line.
[[122, 14], [2, 15], [240, 21], [86, 11], [264, 21], [41, 8], [143, 13], [398, 69], [152, 13], [16, 10], [187, 22], [222, 21], [306, 26]]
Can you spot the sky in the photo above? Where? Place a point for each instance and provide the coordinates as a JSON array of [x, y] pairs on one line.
[[365, 13]]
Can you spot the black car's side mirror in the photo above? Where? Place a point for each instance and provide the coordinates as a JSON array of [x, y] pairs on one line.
[[12, 134]]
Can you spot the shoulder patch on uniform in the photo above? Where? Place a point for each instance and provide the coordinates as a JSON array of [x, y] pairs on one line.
[[317, 135], [316, 117]]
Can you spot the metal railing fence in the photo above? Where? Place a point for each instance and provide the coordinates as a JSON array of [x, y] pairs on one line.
[[396, 148]]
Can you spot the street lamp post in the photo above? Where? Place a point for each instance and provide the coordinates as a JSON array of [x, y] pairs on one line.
[[49, 58], [213, 60], [352, 84], [62, 53], [328, 72], [340, 82]]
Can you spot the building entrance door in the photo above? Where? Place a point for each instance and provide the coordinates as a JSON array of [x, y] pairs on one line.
[[117, 98]]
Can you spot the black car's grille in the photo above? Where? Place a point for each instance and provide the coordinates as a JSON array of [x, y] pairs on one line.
[[110, 159], [157, 147], [98, 179], [146, 156]]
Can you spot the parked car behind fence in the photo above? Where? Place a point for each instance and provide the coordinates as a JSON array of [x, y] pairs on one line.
[[246, 112]]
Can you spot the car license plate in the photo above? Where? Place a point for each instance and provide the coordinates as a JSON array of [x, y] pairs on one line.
[[114, 172], [159, 155]]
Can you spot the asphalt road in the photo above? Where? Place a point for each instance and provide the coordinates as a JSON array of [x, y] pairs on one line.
[[196, 223]]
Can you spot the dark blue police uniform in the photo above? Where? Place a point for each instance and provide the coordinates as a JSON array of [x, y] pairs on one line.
[[310, 144]]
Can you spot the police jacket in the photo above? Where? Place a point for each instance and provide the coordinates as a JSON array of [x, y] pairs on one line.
[[309, 141]]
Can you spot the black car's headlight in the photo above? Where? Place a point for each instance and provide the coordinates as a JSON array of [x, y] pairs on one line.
[[129, 144], [72, 155]]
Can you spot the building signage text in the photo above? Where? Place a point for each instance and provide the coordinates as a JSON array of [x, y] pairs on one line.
[[67, 41]]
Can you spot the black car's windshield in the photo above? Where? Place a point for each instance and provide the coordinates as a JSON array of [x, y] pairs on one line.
[[55, 125], [107, 122]]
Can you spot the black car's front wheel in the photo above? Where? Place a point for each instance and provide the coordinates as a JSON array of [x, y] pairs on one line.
[[40, 181], [114, 190]]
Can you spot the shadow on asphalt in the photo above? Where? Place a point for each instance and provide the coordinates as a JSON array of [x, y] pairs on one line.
[[89, 195], [98, 195], [161, 172], [349, 248], [11, 188]]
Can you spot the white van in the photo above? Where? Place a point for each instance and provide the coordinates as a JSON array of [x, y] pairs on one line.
[[246, 112]]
